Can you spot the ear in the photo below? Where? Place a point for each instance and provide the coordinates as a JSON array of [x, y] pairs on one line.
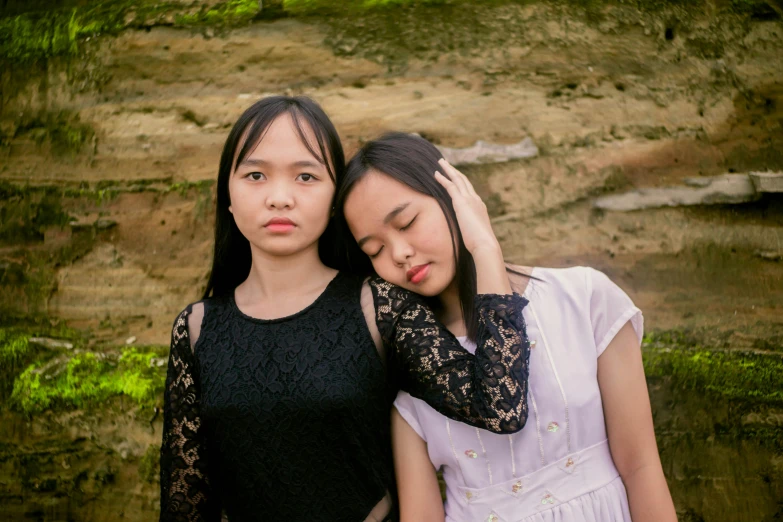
[[230, 209]]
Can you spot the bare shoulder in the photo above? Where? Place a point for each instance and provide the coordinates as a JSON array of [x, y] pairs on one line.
[[190, 318]]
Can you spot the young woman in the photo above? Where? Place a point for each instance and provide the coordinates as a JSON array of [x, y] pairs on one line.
[[588, 453], [279, 389]]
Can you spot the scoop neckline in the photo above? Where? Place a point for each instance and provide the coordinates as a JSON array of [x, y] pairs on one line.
[[524, 294], [259, 320]]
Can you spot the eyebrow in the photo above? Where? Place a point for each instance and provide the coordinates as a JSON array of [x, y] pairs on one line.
[[391, 215], [249, 162]]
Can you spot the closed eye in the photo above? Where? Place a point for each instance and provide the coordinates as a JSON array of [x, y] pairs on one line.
[[406, 227], [373, 256]]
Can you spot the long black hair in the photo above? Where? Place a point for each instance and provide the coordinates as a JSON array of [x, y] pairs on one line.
[[232, 259], [411, 160]]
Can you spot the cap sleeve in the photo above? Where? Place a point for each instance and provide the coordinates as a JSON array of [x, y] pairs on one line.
[[610, 309], [406, 406]]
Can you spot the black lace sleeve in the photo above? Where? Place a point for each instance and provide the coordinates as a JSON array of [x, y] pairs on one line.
[[185, 493], [488, 390]]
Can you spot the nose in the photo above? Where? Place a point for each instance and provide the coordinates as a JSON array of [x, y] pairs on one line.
[[401, 251], [279, 196]]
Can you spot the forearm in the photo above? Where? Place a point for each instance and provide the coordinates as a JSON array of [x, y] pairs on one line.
[[648, 495], [491, 275], [487, 390]]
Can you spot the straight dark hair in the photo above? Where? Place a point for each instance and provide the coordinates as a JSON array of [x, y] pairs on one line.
[[411, 160], [232, 259]]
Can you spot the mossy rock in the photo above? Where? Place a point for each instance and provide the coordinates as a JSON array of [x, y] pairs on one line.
[[149, 465], [17, 352], [744, 376], [14, 352], [61, 131], [87, 379], [38, 35], [25, 217], [29, 36]]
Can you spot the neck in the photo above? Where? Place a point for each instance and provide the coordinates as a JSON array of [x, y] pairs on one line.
[[450, 313], [273, 277]]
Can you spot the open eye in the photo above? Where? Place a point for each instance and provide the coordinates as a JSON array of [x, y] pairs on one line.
[[306, 177], [255, 176], [406, 227]]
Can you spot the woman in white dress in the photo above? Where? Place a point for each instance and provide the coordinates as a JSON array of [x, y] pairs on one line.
[[588, 452]]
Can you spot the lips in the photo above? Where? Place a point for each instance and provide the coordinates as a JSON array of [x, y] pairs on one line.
[[279, 221], [417, 274], [279, 224]]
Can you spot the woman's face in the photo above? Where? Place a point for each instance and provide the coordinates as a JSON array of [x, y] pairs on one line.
[[281, 195], [404, 232]]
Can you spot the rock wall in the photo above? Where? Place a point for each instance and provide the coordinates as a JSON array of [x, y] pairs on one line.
[[112, 116]]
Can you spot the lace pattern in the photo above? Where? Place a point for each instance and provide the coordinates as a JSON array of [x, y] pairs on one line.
[[289, 419], [184, 481], [488, 390], [292, 413]]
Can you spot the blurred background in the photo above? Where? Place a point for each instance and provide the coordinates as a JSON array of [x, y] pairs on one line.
[[640, 137]]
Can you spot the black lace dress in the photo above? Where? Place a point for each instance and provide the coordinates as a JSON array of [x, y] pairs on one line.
[[288, 419]]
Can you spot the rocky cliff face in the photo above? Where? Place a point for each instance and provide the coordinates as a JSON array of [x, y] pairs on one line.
[[112, 116]]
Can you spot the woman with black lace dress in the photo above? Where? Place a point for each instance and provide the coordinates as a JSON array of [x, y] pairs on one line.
[[281, 380]]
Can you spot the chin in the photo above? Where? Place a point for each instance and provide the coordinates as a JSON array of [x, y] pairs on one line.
[[282, 248], [426, 288]]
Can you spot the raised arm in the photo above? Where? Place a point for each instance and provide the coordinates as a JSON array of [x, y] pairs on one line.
[[185, 492], [487, 390]]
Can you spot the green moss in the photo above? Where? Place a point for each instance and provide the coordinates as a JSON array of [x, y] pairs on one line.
[[43, 34], [28, 209], [756, 8], [733, 375], [307, 7], [16, 352], [62, 130], [33, 36], [233, 12], [29, 271], [26, 38], [31, 276], [28, 274], [724, 397], [671, 338], [13, 347], [89, 378], [149, 465], [26, 217], [39, 284], [203, 190], [184, 187]]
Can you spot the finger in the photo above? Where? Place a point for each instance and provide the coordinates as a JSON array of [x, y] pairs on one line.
[[465, 183], [469, 185], [450, 187], [456, 176]]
